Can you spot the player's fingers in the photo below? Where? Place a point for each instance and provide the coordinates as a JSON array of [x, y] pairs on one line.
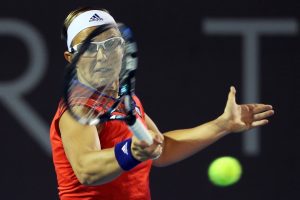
[[150, 153], [262, 108], [259, 123], [140, 144], [152, 149], [140, 152], [136, 148], [156, 154], [231, 94], [257, 108], [141, 156], [263, 115], [158, 138]]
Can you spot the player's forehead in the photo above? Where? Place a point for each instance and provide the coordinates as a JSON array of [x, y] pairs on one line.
[[112, 32]]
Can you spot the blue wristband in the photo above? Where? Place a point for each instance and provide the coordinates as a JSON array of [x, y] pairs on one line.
[[124, 156]]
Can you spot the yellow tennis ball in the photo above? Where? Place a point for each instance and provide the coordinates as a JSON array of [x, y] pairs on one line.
[[224, 171]]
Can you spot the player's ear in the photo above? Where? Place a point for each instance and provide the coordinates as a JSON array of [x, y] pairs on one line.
[[68, 56]]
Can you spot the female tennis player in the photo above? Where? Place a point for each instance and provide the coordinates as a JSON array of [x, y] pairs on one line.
[[106, 161]]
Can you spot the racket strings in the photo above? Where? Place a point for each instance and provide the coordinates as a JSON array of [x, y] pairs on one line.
[[94, 89], [107, 102], [87, 102]]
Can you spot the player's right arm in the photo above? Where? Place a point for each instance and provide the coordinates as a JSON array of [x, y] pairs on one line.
[[91, 164]]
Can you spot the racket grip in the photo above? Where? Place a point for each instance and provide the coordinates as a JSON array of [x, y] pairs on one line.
[[141, 132]]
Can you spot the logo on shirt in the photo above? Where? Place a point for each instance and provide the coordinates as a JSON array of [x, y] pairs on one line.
[[125, 149], [138, 111], [95, 17]]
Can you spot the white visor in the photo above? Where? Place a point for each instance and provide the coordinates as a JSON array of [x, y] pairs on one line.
[[85, 20]]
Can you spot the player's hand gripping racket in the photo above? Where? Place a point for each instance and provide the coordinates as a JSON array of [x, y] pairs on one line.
[[99, 82]]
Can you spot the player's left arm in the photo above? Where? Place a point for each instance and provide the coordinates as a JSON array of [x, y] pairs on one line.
[[181, 144]]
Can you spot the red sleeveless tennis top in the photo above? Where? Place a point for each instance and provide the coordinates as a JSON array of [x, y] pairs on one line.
[[131, 185]]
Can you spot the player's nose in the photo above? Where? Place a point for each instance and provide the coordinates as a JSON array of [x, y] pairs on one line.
[[101, 55]]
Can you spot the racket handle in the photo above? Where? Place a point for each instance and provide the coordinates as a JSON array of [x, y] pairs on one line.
[[141, 132]]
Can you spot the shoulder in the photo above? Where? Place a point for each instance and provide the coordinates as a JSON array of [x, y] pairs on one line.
[[137, 99], [139, 106]]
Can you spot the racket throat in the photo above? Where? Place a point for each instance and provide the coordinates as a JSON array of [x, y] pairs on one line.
[[131, 118]]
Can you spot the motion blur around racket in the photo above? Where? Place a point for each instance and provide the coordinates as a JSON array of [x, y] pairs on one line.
[[99, 85]]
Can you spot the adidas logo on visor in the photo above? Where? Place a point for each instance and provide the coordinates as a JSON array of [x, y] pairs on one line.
[[95, 17]]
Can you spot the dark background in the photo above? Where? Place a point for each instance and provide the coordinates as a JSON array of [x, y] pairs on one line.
[[183, 80]]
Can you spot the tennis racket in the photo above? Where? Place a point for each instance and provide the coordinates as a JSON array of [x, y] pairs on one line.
[[99, 81]]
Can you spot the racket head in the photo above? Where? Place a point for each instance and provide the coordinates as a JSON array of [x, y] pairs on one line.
[[130, 61], [92, 77], [127, 85]]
